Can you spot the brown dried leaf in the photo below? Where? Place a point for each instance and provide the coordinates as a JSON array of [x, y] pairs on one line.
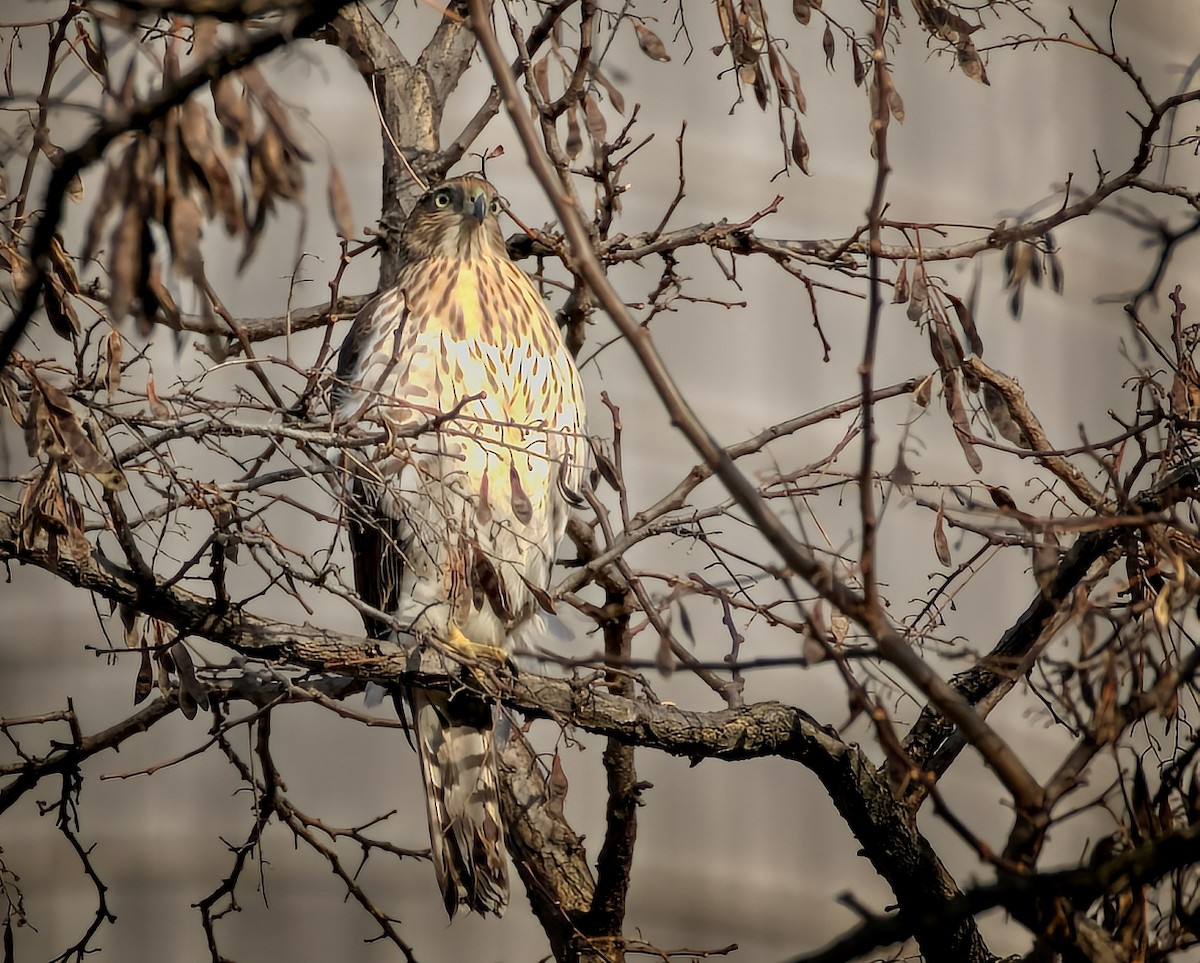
[[727, 18], [185, 224], [115, 187], [158, 410], [75, 441], [189, 685], [970, 64], [958, 417], [799, 148], [55, 155], [901, 290], [557, 787], [232, 109], [541, 77], [966, 321], [830, 47], [156, 302], [664, 658], [112, 366], [124, 261], [901, 475], [339, 204], [1141, 806], [797, 92], [924, 391], [39, 436], [996, 407], [802, 11], [94, 56], [615, 97], [215, 182], [64, 270], [860, 69], [650, 43], [59, 310], [894, 101], [941, 545], [918, 297], [597, 126], [574, 143]]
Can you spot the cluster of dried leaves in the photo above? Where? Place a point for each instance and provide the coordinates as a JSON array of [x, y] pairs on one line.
[[228, 165]]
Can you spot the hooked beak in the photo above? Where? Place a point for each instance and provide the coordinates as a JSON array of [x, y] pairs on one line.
[[477, 205]]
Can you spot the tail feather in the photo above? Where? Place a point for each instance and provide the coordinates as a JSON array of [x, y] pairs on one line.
[[455, 743]]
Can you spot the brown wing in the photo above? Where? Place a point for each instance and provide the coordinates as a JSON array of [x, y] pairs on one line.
[[378, 559]]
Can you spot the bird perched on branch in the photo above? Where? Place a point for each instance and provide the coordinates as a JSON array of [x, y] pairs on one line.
[[454, 524]]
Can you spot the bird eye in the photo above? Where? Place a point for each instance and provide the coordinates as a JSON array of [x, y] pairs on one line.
[[494, 208], [441, 199]]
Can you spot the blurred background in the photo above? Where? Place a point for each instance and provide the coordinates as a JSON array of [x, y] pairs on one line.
[[750, 853]]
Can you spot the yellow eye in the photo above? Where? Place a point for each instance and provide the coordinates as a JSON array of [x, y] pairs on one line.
[[441, 199], [494, 208]]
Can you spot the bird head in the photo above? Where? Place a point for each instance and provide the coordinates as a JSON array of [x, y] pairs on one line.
[[458, 218]]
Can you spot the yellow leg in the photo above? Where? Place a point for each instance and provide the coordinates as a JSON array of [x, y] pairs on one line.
[[474, 650]]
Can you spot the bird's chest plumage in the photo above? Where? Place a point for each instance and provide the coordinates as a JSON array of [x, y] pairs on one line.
[[468, 370]]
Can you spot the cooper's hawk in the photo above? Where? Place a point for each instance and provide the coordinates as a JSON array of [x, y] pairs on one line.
[[455, 523]]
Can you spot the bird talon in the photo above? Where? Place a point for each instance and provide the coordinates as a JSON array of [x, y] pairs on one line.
[[476, 651]]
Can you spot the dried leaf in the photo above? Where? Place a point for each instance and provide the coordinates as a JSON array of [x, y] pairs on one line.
[[799, 148], [860, 70], [901, 290], [615, 97], [918, 298], [339, 204], [189, 685], [924, 391], [970, 64], [762, 93], [60, 262], [650, 43], [185, 223], [664, 658], [112, 367], [541, 77], [574, 142], [830, 47], [802, 11], [966, 321], [597, 126], [941, 544], [124, 262], [1145, 821], [158, 410], [557, 787], [958, 417], [894, 101], [996, 407], [232, 109], [797, 92], [1001, 498], [59, 310], [94, 56]]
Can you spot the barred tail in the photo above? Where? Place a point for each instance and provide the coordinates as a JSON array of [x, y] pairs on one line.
[[458, 764]]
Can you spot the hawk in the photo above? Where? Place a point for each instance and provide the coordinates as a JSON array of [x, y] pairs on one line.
[[454, 524]]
